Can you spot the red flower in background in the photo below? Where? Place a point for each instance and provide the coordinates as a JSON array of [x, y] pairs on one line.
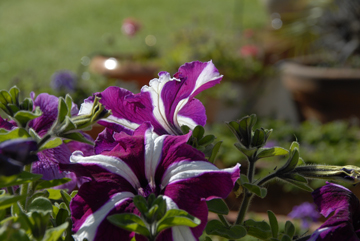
[[130, 27]]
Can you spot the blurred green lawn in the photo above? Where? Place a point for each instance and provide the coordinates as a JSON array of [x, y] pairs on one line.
[[39, 37]]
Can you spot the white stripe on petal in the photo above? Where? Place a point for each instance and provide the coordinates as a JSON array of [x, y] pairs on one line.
[[186, 169], [89, 227], [123, 122], [153, 149], [182, 120], [110, 163], [85, 108], [179, 233], [155, 89]]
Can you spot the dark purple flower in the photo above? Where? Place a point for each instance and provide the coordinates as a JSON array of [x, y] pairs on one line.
[[63, 81], [344, 224], [142, 164], [306, 212], [168, 103], [15, 154]]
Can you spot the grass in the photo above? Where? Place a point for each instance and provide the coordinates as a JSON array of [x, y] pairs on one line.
[[40, 37]]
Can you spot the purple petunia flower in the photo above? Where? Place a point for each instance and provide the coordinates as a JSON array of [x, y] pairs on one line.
[[142, 164], [168, 103], [344, 224], [306, 212], [49, 159], [64, 80], [15, 154]]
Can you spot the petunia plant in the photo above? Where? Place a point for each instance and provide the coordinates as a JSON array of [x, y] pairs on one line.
[[150, 174]]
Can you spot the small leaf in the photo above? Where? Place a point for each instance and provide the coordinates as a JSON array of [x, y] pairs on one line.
[[52, 143], [259, 191], [215, 151], [215, 227], [54, 194], [285, 238], [291, 162], [185, 129], [16, 133], [23, 177], [73, 193], [294, 145], [296, 177], [249, 152], [258, 138], [269, 152], [130, 222], [61, 216], [289, 229], [53, 234], [41, 205], [177, 217], [69, 102], [14, 92], [273, 224], [24, 116], [62, 110], [66, 198], [76, 136], [5, 97], [7, 200], [260, 230], [52, 183], [140, 203], [218, 206], [198, 132], [206, 140]]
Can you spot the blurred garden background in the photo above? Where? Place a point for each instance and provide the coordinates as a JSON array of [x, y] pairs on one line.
[[82, 47]]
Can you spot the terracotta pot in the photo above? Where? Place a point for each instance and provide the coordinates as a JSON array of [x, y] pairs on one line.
[[124, 69], [325, 94]]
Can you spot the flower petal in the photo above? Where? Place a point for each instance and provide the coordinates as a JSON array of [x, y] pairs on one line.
[[49, 159], [345, 220], [167, 102]]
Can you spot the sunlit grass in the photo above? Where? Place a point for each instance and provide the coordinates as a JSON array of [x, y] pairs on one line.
[[40, 37]]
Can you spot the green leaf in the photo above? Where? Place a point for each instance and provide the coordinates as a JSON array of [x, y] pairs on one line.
[[14, 92], [5, 97], [52, 183], [69, 102], [206, 140], [141, 204], [273, 224], [53, 234], [34, 135], [41, 205], [16, 133], [176, 217], [23, 177], [259, 191], [260, 230], [294, 145], [285, 238], [66, 198], [296, 177], [247, 151], [215, 151], [5, 109], [269, 152], [37, 194], [62, 110], [61, 216], [52, 143], [76, 136], [258, 138], [130, 222], [218, 206], [185, 129], [54, 194], [73, 193], [291, 162], [215, 227], [289, 229], [198, 132], [7, 200], [24, 116]]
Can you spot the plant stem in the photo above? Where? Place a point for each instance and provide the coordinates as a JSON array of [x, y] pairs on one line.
[[247, 195], [24, 187], [223, 220]]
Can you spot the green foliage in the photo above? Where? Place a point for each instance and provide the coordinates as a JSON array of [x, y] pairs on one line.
[[218, 206], [215, 227]]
